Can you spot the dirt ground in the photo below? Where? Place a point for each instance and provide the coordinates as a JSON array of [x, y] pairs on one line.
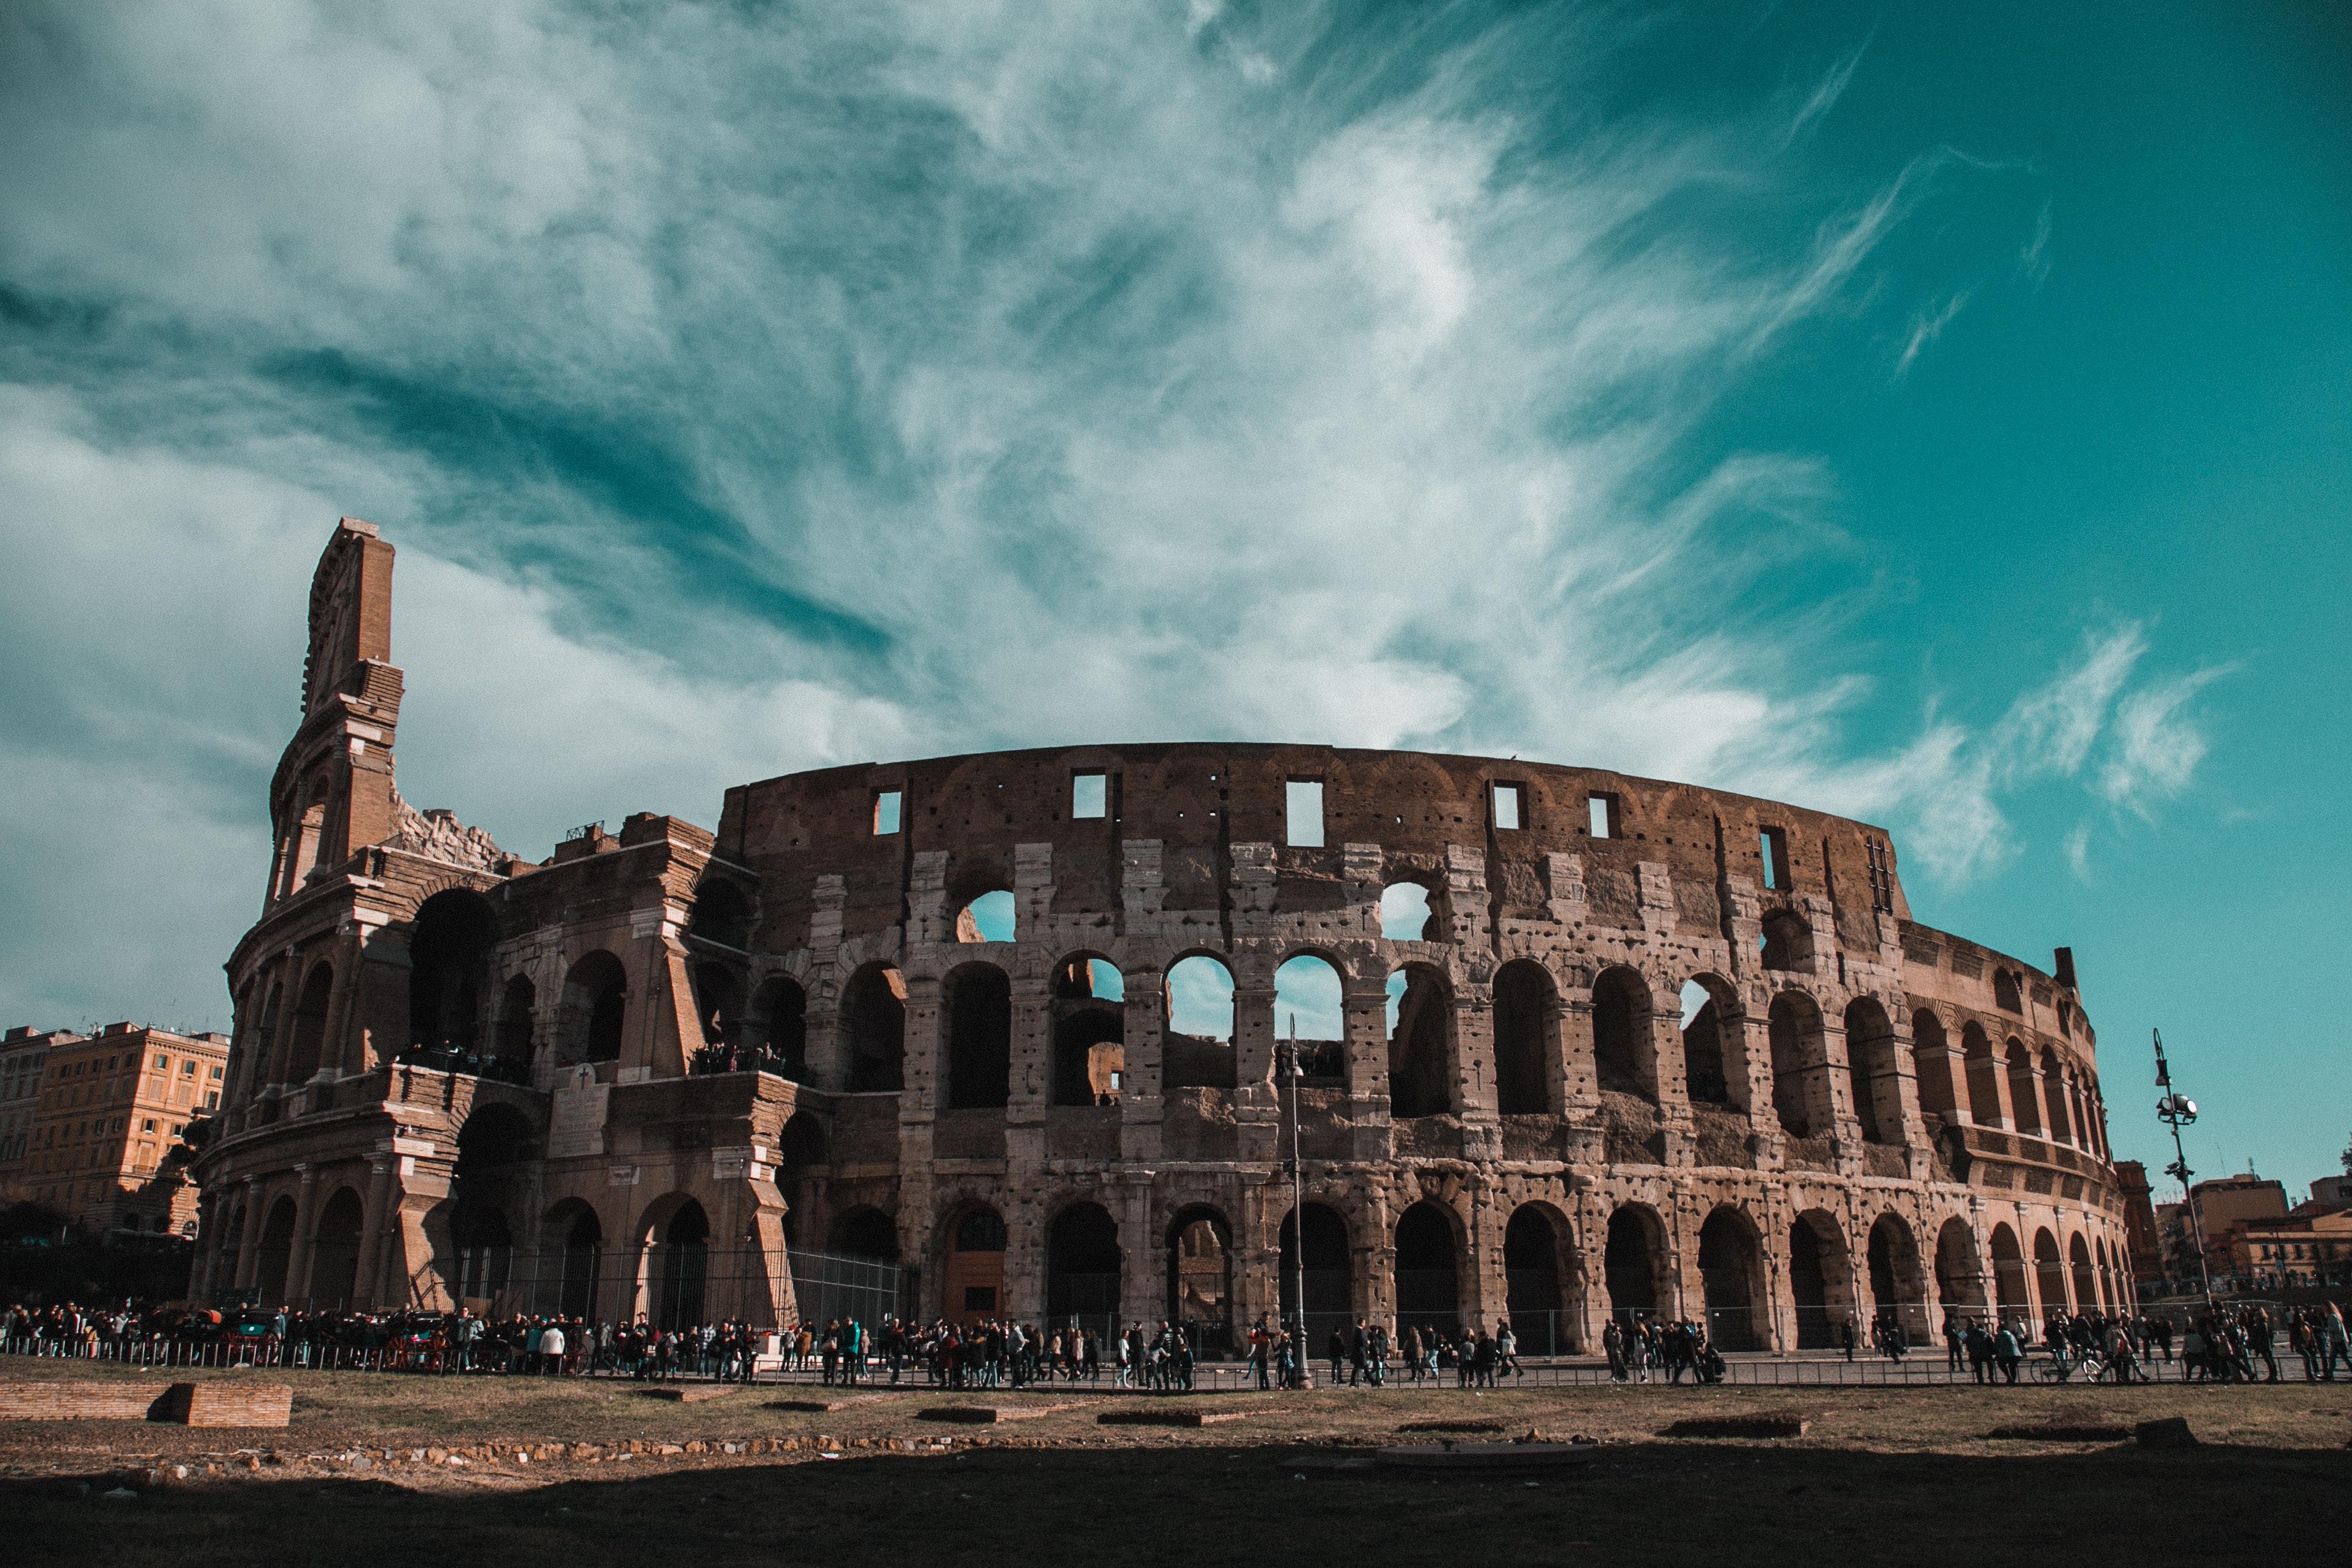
[[376, 1468]]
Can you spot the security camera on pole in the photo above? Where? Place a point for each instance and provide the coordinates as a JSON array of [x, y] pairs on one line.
[[2177, 1111]]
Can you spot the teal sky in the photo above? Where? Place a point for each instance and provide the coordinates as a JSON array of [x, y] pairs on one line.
[[1940, 415]]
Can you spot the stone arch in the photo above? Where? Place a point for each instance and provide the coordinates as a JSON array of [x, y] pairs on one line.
[[717, 1003], [1933, 1062], [2086, 1277], [1960, 1276], [874, 1029], [518, 1006], [1710, 1009], [1799, 1068], [2024, 1104], [1527, 1066], [589, 1021], [1731, 1270], [1083, 1265], [1429, 1268], [1633, 1264], [494, 1145], [574, 1232], [721, 913], [1328, 1265], [1786, 943], [1197, 1023], [2013, 1297], [675, 1236], [1539, 1279], [305, 1059], [1200, 1242], [1821, 1276], [1422, 1044], [1873, 1072], [1983, 1074], [863, 1232], [1624, 1051], [2005, 993], [1898, 1294], [335, 1251], [776, 1025], [990, 916], [971, 1275], [275, 1253], [1413, 910], [977, 1063], [2049, 1273], [449, 969], [1087, 1014]]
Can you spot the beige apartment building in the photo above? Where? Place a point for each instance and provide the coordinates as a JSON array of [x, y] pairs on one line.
[[108, 1113]]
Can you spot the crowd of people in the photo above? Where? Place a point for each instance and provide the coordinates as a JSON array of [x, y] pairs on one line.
[[2223, 1343]]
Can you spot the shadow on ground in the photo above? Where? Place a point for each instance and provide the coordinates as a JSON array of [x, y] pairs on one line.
[[1205, 1507]]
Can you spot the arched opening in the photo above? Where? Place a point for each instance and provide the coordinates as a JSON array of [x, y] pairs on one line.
[[2005, 993], [1984, 1077], [1872, 1072], [275, 1250], [2009, 1292], [1535, 1242], [1786, 942], [1897, 1294], [2024, 1102], [1421, 1042], [972, 1281], [573, 1226], [722, 913], [2086, 1277], [1799, 1073], [1819, 1280], [980, 1037], [864, 1232], [265, 1040], [1959, 1279], [492, 1147], [1326, 1269], [1201, 1276], [449, 961], [2050, 1274], [777, 1026], [1934, 1063], [718, 1005], [1405, 913], [874, 1023], [517, 1004], [2062, 1126], [1428, 1288], [311, 1024], [1197, 1045], [1730, 1264], [1526, 1046], [1089, 1019], [1624, 1055], [681, 1267], [594, 1006], [1709, 1006], [1081, 1267], [1308, 1011], [1631, 1262], [988, 918], [335, 1253]]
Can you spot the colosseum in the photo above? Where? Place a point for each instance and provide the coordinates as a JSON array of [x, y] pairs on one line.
[[1058, 1033]]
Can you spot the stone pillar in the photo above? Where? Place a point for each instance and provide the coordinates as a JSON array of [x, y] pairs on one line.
[[248, 1245], [1143, 1263], [306, 1229], [1364, 1003], [1488, 1293], [1142, 1098], [380, 1194]]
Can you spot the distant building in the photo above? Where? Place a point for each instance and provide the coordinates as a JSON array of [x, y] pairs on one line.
[[2143, 1243], [24, 1053], [2301, 1250], [2330, 1193], [104, 1148]]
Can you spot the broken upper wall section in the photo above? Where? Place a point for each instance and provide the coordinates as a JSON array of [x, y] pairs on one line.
[[1236, 829]]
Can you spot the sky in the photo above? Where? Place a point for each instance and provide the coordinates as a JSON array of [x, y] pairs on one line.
[[1938, 415]]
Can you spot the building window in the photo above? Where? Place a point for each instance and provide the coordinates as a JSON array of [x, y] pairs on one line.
[[163, 1062], [1090, 796], [1303, 800], [1881, 877], [1601, 816], [1510, 807], [1773, 846], [886, 812], [148, 1125]]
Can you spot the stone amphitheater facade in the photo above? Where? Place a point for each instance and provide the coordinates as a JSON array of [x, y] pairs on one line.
[[1605, 1043]]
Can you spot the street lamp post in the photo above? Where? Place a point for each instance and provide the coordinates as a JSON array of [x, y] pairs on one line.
[[1298, 1213], [2176, 1112]]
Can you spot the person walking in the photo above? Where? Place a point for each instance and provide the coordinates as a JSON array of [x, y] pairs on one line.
[[2009, 1352]]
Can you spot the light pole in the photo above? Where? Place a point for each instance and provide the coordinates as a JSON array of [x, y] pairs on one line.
[[1297, 1212], [2177, 1111]]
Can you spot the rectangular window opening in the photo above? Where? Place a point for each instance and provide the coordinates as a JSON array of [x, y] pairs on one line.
[[1510, 801], [886, 812], [1603, 811], [1304, 799], [1090, 796], [1773, 846]]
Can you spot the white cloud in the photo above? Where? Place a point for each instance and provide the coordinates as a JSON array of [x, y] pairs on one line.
[[1825, 94], [1925, 328]]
